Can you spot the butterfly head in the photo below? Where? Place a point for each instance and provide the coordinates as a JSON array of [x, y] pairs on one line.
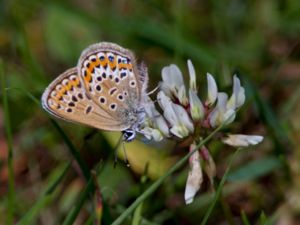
[[129, 135]]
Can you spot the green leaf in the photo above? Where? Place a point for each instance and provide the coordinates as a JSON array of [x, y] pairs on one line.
[[245, 218], [255, 169]]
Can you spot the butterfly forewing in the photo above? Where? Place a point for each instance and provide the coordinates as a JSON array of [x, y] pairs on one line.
[[109, 74], [66, 97]]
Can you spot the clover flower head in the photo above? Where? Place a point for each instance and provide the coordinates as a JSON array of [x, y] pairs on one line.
[[184, 117]]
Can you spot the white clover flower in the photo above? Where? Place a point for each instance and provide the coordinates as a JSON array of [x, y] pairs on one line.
[[172, 80], [163, 99], [153, 134], [179, 120], [186, 118], [212, 90], [221, 114], [237, 98], [192, 73], [183, 100], [156, 126], [241, 140], [209, 164], [195, 176], [197, 109]]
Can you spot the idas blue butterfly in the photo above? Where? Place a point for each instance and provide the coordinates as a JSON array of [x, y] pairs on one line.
[[107, 90]]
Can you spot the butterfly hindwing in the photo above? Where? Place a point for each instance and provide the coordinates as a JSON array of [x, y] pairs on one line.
[[66, 98]]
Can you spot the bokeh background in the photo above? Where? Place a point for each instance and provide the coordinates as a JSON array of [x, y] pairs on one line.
[[40, 183]]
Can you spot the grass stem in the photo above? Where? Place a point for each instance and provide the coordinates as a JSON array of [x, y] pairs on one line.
[[11, 183]]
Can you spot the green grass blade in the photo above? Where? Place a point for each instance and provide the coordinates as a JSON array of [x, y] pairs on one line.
[[244, 218], [89, 189], [219, 190], [51, 188], [73, 150], [137, 215], [46, 198], [11, 184], [76, 209], [262, 218], [255, 169]]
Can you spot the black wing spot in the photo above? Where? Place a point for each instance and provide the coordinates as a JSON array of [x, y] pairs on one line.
[[120, 97], [111, 58], [88, 109], [123, 74], [113, 106], [112, 91], [102, 100], [74, 99], [98, 88], [80, 96]]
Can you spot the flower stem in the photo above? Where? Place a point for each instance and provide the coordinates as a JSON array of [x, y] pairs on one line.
[[219, 190]]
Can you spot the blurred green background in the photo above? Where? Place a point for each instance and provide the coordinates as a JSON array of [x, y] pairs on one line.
[[257, 40]]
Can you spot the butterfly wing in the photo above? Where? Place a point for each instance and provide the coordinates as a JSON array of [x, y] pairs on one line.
[[66, 98], [111, 77]]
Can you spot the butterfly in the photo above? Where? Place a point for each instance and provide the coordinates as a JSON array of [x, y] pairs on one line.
[[107, 91]]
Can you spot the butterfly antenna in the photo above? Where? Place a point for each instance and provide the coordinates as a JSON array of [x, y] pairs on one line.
[[154, 90], [125, 154], [116, 150]]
